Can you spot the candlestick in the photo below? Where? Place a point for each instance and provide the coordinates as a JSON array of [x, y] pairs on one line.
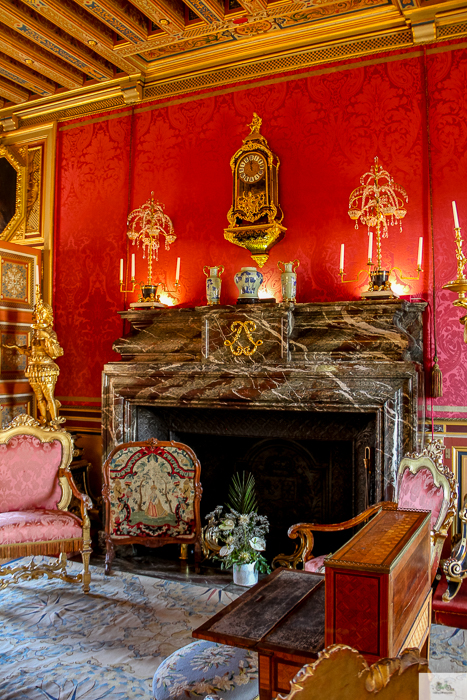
[[121, 270], [420, 248], [133, 270], [177, 272], [456, 219], [370, 246], [342, 257]]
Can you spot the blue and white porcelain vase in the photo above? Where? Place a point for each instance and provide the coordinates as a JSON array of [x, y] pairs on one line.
[[248, 281], [213, 283], [288, 279]]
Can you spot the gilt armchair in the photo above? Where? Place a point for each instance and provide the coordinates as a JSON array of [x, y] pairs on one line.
[[423, 483], [450, 598], [36, 487], [152, 494], [341, 672]]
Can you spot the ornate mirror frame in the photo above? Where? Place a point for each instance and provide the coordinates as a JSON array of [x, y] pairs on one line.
[[17, 162]]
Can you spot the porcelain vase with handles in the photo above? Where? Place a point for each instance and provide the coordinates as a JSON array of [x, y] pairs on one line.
[[288, 279], [248, 281], [245, 574], [213, 283]]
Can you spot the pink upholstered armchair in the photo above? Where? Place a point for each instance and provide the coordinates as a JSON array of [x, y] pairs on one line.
[[423, 483], [36, 487]]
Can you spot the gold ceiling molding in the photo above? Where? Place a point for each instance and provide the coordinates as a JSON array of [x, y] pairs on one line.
[[116, 94], [249, 70]]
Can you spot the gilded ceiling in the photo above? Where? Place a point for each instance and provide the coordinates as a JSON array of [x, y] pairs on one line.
[[56, 54]]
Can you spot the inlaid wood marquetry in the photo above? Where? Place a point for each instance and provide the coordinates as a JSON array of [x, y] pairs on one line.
[[377, 584], [378, 544]]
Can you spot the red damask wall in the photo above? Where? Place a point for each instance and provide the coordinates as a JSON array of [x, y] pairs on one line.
[[326, 125]]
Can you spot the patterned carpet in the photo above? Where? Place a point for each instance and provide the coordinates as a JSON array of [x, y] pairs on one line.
[[58, 644]]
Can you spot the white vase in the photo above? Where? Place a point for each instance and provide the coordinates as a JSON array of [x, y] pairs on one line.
[[245, 574], [288, 279], [213, 283]]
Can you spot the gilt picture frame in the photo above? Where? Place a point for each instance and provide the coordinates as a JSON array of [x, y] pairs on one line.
[[13, 191]]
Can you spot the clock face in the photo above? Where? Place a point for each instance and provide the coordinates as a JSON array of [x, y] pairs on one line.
[[251, 168]]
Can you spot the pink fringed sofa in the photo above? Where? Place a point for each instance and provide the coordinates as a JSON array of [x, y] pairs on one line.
[[36, 487], [423, 483]]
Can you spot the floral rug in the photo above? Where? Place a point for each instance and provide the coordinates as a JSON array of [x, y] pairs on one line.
[[58, 644]]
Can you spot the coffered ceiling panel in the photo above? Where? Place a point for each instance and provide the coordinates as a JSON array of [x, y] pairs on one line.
[[56, 54]]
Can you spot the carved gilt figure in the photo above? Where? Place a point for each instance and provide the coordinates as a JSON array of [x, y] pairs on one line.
[[41, 370]]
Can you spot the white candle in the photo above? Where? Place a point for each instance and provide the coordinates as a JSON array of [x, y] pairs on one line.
[[133, 270], [370, 245], [342, 257], [177, 273], [420, 248], [121, 270], [38, 279], [454, 211]]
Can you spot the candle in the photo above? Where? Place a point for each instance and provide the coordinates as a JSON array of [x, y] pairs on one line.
[[177, 273], [38, 279], [420, 248], [342, 257], [370, 245], [133, 271], [121, 270], [454, 211]]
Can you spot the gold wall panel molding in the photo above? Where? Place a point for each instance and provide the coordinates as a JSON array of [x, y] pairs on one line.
[[38, 143]]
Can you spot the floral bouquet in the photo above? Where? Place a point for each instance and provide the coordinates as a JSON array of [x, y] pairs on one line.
[[240, 530]]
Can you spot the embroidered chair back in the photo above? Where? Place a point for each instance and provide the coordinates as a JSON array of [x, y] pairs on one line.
[[152, 495], [30, 463], [425, 483]]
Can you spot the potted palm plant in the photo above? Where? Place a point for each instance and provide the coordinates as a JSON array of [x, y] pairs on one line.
[[240, 531]]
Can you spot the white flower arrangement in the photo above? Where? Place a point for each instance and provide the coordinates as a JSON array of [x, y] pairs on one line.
[[240, 530]]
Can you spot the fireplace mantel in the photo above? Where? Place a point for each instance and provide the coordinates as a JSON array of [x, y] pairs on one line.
[[341, 357]]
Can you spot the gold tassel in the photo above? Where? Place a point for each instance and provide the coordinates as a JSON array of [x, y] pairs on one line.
[[436, 380]]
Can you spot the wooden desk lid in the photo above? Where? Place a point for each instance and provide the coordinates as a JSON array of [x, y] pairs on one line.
[[379, 545]]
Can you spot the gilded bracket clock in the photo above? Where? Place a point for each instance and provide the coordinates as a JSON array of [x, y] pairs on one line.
[[255, 215]]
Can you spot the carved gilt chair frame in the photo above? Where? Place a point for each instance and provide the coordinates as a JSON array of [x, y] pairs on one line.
[[455, 567], [26, 425], [341, 671]]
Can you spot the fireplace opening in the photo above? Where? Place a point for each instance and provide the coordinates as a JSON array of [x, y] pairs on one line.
[[308, 467]]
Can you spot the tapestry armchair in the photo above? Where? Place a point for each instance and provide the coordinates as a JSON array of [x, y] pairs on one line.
[[423, 483], [36, 487], [152, 494]]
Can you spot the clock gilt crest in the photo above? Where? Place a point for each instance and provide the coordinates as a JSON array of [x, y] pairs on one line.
[[255, 215]]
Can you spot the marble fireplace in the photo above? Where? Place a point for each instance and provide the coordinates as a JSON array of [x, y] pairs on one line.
[[301, 395]]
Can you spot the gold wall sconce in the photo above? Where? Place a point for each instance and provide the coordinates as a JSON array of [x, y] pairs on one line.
[[378, 203], [459, 285]]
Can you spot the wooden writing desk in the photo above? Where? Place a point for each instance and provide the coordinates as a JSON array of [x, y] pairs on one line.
[[282, 618], [377, 597]]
